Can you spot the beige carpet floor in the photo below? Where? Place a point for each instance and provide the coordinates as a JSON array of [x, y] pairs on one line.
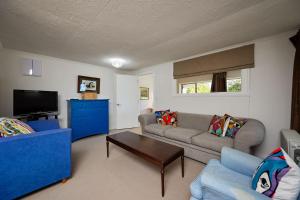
[[121, 176]]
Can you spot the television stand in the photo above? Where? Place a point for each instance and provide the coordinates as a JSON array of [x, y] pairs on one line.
[[37, 116]]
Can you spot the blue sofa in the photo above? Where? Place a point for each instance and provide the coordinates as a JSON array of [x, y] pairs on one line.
[[30, 162], [227, 179]]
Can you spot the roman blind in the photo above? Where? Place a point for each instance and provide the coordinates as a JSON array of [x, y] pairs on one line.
[[233, 59]]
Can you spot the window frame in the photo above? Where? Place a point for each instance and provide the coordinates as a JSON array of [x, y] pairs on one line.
[[245, 89]]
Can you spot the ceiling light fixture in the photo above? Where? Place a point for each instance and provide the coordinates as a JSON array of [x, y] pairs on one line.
[[117, 62]]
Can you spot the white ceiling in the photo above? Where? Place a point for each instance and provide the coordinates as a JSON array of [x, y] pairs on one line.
[[145, 32]]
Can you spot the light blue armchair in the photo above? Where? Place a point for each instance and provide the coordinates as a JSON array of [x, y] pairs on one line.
[[227, 179]]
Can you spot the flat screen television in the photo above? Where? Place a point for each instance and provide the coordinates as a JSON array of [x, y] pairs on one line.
[[34, 101]]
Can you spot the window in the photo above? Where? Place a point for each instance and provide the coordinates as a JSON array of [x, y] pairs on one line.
[[199, 87], [188, 88], [202, 84]]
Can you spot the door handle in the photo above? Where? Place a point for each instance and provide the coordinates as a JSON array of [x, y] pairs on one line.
[[118, 104]]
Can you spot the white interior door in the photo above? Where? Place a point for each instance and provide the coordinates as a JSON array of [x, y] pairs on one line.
[[127, 101]]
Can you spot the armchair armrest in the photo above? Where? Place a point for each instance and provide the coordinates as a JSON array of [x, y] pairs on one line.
[[239, 161], [146, 119], [250, 135]]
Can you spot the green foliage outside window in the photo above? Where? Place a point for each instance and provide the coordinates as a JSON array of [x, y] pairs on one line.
[[235, 88], [234, 85], [190, 90], [203, 88]]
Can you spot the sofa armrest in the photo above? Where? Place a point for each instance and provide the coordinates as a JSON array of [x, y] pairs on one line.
[[30, 162], [239, 161], [250, 135], [146, 119]]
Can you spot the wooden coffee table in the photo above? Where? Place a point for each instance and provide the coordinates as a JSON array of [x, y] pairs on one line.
[[156, 152]]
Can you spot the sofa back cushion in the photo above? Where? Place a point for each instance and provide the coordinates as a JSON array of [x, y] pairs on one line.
[[44, 125], [194, 121]]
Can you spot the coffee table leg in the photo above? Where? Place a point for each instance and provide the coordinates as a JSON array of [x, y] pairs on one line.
[[182, 166], [107, 148], [162, 173]]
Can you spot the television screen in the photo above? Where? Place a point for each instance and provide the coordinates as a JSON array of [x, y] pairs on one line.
[[33, 101]]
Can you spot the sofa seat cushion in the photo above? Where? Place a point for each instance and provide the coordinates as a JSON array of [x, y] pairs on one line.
[[157, 129], [212, 142], [182, 134]]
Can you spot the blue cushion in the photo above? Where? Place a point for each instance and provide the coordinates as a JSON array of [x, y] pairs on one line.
[[43, 125], [238, 161]]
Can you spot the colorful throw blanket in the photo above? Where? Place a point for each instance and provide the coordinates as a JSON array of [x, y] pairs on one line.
[[12, 127]]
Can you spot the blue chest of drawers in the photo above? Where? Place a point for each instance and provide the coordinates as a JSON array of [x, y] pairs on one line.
[[88, 117]]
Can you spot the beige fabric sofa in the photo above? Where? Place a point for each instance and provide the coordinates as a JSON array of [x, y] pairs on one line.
[[191, 134]]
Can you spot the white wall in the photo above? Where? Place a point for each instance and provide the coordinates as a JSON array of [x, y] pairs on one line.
[[146, 81], [269, 97], [57, 74], [271, 87]]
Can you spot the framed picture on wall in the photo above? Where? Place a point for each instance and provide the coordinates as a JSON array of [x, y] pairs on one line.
[[144, 93], [92, 84]]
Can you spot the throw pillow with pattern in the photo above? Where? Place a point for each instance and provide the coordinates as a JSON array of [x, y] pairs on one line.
[[170, 118], [12, 127], [225, 126], [234, 125], [277, 176], [159, 114], [216, 125]]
